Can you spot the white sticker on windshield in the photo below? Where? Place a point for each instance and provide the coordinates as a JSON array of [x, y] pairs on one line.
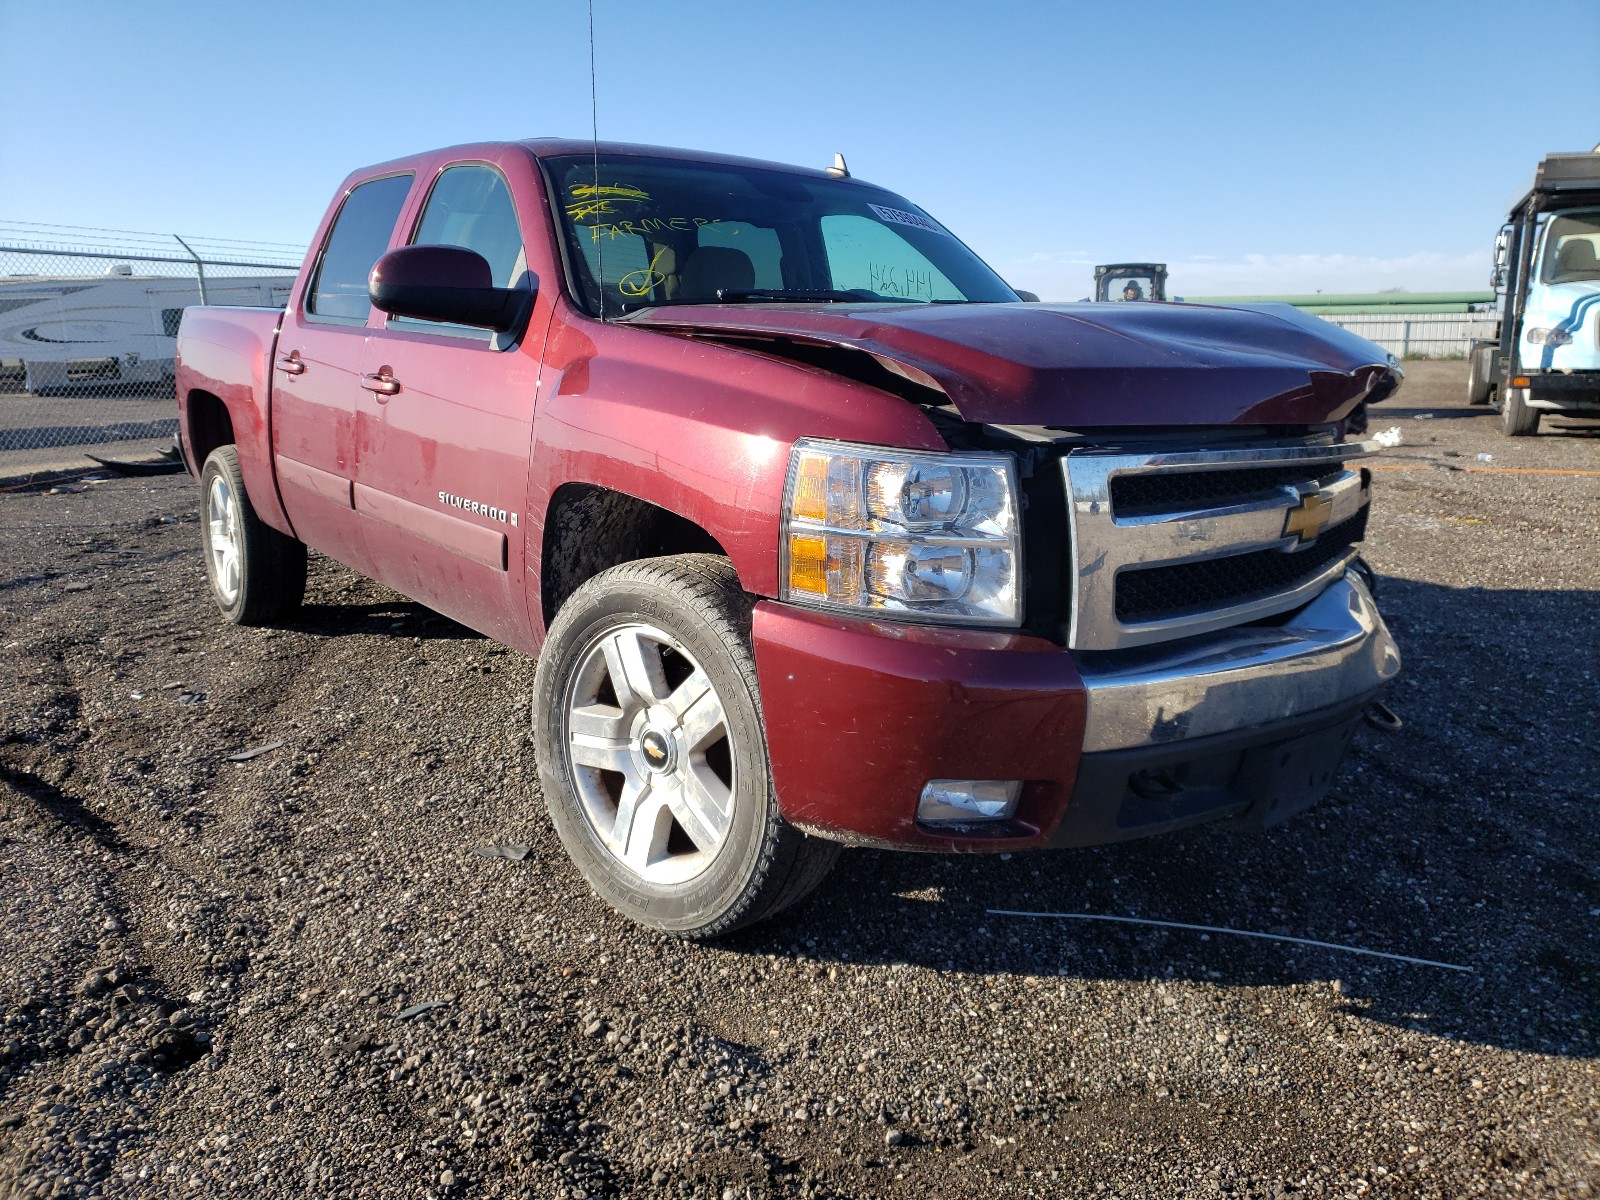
[[900, 216]]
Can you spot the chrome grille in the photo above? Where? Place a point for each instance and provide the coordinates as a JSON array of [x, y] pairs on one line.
[[1166, 491], [1162, 593], [1167, 545]]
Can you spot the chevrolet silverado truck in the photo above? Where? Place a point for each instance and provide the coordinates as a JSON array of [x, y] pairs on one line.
[[820, 535]]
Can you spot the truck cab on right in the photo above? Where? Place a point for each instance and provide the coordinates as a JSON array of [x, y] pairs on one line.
[[1546, 356]]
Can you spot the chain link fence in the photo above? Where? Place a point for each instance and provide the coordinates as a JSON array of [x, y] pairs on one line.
[[88, 322]]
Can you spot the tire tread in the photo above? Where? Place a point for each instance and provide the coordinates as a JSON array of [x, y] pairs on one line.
[[789, 864], [274, 578]]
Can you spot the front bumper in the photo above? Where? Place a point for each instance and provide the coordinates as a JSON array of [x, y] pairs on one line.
[[1563, 391], [860, 715]]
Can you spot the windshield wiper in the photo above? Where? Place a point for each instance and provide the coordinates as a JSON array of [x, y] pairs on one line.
[[760, 295]]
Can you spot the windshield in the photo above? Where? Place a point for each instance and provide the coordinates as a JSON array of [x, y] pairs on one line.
[[662, 231], [1572, 248], [1130, 286]]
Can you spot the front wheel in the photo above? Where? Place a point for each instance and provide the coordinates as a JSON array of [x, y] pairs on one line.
[[652, 754], [1516, 418], [257, 574]]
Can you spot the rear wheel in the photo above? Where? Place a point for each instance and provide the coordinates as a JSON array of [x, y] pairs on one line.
[[257, 574], [652, 753], [1516, 418], [1480, 383]]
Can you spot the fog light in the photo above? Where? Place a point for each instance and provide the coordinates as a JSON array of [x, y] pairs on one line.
[[963, 801]]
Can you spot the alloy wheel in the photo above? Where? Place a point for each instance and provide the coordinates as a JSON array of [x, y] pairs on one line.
[[649, 754], [222, 518]]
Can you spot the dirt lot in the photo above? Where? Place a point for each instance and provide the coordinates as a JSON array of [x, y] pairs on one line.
[[213, 968]]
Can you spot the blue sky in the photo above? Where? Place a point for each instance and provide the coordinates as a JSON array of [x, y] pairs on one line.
[[1340, 146]]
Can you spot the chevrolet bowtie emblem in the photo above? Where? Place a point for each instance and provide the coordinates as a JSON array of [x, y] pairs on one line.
[[1308, 518]]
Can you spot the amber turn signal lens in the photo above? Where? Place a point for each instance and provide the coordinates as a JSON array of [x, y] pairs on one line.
[[1520, 381], [811, 488], [808, 565]]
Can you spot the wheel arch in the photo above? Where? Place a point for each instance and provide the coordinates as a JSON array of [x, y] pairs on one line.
[[589, 528], [207, 425]]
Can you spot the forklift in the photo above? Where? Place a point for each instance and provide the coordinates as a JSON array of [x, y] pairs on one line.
[[1130, 281]]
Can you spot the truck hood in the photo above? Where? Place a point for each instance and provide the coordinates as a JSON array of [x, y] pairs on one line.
[[1073, 365]]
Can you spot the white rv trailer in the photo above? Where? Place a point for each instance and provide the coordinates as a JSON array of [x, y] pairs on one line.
[[102, 333]]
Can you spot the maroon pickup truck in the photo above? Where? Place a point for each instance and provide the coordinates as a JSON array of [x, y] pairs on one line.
[[820, 533]]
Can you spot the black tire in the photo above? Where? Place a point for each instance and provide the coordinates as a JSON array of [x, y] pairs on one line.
[[1480, 384], [1516, 418], [268, 579], [761, 864]]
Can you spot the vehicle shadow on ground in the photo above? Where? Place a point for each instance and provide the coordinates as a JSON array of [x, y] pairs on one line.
[[1379, 412], [1467, 838], [1590, 430], [391, 618]]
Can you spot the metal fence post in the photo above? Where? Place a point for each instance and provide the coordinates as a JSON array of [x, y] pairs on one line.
[[200, 267], [1405, 339]]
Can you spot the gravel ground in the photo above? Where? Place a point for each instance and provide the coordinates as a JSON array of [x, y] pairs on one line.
[[216, 971]]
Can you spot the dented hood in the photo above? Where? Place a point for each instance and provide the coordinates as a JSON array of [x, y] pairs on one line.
[[1076, 365]]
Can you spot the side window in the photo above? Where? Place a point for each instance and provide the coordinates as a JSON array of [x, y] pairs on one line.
[[864, 254], [359, 236], [470, 206]]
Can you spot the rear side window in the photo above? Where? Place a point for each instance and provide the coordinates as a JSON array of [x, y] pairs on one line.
[[359, 236]]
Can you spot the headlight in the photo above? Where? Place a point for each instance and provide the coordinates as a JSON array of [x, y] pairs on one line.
[[1549, 337], [902, 533]]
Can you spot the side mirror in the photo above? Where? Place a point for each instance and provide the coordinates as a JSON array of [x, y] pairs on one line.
[[1026, 297], [447, 283]]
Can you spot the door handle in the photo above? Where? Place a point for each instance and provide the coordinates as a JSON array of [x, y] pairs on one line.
[[382, 382], [291, 365]]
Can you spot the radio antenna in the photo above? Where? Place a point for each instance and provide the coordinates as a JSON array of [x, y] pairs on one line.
[[594, 141]]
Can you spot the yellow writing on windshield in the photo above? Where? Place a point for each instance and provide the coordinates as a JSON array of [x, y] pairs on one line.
[[644, 280], [589, 199], [647, 225]]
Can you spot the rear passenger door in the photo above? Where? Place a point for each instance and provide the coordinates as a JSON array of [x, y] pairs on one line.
[[442, 457], [316, 373]]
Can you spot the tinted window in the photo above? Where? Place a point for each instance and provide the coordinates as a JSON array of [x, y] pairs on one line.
[[760, 246], [471, 207], [359, 236], [869, 255], [646, 231], [623, 260]]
